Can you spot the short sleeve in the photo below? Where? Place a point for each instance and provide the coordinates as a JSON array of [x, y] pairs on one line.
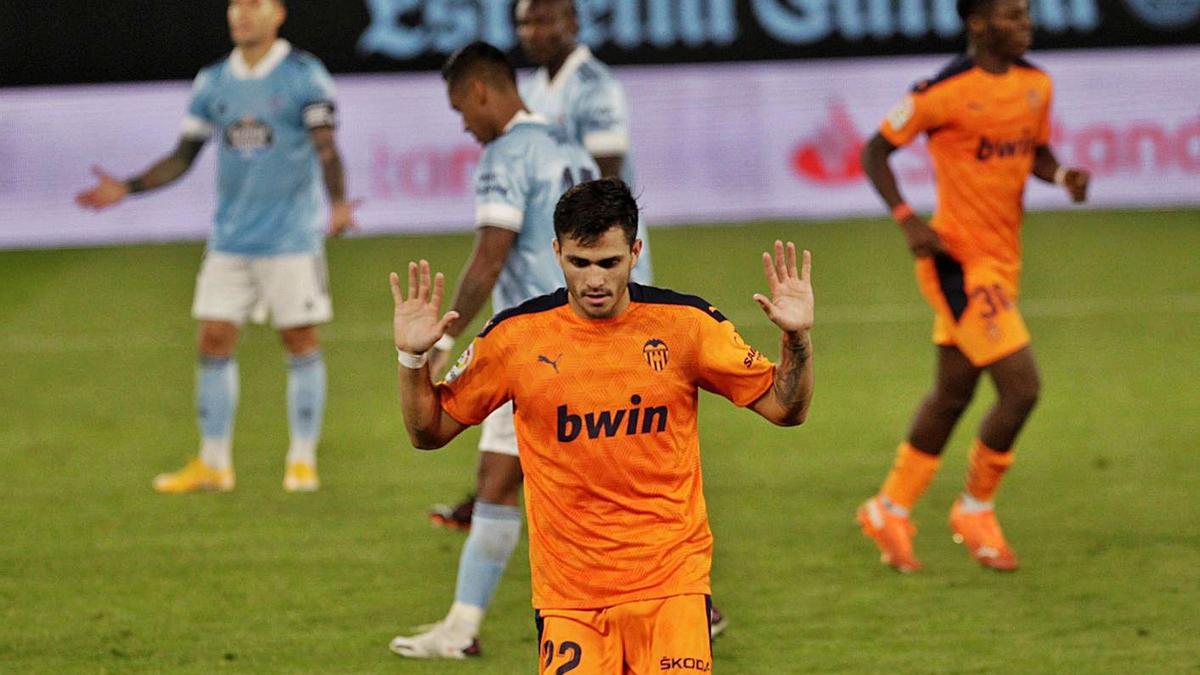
[[916, 112], [602, 117], [730, 367], [1045, 128], [317, 95], [198, 123], [500, 191], [476, 385]]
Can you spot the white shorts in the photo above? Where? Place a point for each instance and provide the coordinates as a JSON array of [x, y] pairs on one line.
[[292, 289], [498, 434]]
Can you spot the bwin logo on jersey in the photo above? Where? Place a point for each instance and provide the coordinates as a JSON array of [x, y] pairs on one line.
[[610, 423], [657, 354], [249, 136]]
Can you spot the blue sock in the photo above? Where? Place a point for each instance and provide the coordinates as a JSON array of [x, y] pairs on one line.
[[495, 530], [216, 403], [306, 405]]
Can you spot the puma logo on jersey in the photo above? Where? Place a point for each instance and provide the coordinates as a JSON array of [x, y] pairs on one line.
[[610, 423], [553, 364]]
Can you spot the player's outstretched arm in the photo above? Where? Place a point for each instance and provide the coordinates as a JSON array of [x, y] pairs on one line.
[[341, 210], [416, 326], [1047, 168], [109, 190], [475, 284], [790, 306], [922, 240]]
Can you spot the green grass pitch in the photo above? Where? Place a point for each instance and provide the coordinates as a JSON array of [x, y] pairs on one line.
[[99, 574]]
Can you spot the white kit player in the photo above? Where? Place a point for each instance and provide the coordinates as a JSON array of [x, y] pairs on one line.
[[271, 109], [526, 165]]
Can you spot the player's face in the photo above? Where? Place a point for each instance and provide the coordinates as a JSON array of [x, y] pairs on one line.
[[469, 100], [1009, 28], [253, 22], [598, 275], [546, 29]]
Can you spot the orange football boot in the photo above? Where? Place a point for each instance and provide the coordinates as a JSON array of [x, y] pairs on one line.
[[980, 533], [892, 534]]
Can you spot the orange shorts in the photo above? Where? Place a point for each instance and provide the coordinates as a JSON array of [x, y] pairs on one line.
[[975, 306], [665, 635]]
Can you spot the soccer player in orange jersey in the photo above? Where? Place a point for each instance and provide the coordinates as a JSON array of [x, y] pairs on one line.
[[604, 376], [987, 118]]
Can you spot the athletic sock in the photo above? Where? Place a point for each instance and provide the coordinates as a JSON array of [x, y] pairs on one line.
[[495, 529], [216, 403], [968, 504], [987, 467], [306, 405], [910, 475], [463, 620]]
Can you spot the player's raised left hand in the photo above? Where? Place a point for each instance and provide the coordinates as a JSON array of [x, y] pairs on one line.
[[415, 323], [1076, 181], [791, 303], [341, 217]]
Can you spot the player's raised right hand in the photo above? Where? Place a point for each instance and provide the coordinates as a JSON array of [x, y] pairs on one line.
[[922, 240], [106, 192], [415, 323]]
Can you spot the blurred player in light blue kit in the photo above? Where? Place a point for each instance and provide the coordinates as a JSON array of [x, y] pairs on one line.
[[579, 95], [527, 164], [271, 108]]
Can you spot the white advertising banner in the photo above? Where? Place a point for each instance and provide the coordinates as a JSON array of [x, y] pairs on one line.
[[710, 143]]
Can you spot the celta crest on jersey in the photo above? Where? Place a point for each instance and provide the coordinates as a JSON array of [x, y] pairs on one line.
[[249, 136]]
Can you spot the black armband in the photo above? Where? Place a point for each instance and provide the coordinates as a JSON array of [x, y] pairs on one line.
[[135, 185]]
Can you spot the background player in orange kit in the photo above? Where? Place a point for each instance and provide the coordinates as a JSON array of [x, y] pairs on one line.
[[604, 376], [987, 117]]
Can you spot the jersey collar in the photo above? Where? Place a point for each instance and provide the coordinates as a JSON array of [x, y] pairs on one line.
[[569, 66], [275, 55], [524, 117]]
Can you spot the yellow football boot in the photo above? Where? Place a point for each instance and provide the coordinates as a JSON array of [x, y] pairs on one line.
[[195, 477], [301, 477]]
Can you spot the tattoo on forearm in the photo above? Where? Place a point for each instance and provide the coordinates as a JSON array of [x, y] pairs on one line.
[[788, 389], [167, 169], [799, 348]]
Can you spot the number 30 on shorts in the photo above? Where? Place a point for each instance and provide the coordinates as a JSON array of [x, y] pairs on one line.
[[571, 652]]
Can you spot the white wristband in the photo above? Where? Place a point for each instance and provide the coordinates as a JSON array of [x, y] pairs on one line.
[[411, 361], [444, 343], [1060, 175]]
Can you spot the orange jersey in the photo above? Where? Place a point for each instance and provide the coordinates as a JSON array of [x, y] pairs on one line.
[[983, 130], [605, 412]]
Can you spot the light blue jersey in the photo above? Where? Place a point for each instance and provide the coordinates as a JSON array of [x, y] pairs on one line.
[[518, 181], [587, 102], [268, 178]]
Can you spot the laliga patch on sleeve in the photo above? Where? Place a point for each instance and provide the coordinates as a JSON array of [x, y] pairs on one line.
[[901, 113], [461, 364]]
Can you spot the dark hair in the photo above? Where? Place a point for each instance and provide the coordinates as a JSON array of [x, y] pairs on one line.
[[569, 5], [966, 8], [590, 209], [482, 60]]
